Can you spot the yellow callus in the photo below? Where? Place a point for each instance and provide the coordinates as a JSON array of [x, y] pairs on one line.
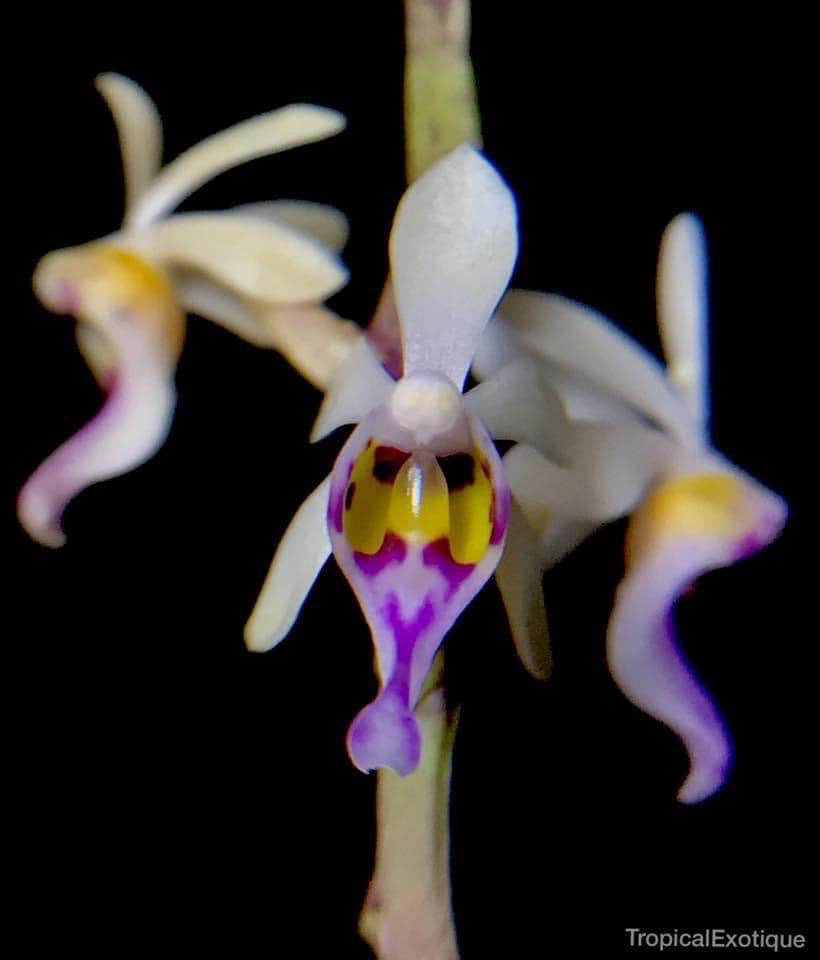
[[471, 521], [98, 279], [420, 499], [699, 505], [367, 500]]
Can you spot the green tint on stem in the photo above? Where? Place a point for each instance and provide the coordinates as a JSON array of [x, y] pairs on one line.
[[440, 103], [407, 913]]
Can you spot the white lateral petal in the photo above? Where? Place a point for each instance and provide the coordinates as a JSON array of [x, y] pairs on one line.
[[452, 250], [299, 558], [269, 133], [683, 311], [261, 260], [514, 405], [361, 385], [582, 399], [518, 576], [583, 342], [205, 298], [326, 224], [139, 130], [561, 537], [314, 340], [610, 467], [498, 345]]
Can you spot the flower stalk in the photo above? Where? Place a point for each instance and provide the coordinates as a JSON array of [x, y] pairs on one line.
[[407, 913], [440, 103]]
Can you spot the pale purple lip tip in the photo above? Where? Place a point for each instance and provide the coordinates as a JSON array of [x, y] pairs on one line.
[[385, 734]]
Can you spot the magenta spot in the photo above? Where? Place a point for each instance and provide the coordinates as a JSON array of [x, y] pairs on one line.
[[748, 546], [66, 297], [387, 461], [437, 554], [458, 470], [392, 550]]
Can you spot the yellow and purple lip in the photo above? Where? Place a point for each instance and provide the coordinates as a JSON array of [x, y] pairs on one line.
[[417, 534]]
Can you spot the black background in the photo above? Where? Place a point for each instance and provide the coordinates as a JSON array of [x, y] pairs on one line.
[[169, 787]]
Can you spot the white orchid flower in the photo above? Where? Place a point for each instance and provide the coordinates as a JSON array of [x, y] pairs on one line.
[[417, 505], [257, 270], [633, 440]]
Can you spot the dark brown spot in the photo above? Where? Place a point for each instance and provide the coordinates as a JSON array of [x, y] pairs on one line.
[[387, 461], [458, 470], [351, 492]]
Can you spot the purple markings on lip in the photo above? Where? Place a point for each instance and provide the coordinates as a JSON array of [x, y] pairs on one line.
[[385, 733], [501, 515], [406, 633], [437, 554], [748, 546], [392, 550], [335, 508], [770, 523]]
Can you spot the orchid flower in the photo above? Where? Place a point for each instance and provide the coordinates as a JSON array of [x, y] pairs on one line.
[[417, 505], [259, 270], [633, 440]]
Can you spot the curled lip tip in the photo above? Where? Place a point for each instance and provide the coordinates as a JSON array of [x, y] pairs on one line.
[[37, 516], [385, 734]]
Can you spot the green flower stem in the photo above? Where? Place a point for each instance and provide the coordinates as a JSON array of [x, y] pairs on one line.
[[440, 103], [407, 913]]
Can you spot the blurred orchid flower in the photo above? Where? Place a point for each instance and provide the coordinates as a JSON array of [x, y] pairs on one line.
[[416, 507], [631, 438], [261, 270]]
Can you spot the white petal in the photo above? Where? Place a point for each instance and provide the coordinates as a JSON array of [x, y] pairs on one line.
[[585, 343], [518, 576], [514, 405], [299, 558], [362, 384], [139, 130], [261, 260], [326, 224], [314, 340], [610, 468], [208, 299], [452, 250], [683, 311], [498, 345], [269, 133], [561, 536], [584, 400]]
